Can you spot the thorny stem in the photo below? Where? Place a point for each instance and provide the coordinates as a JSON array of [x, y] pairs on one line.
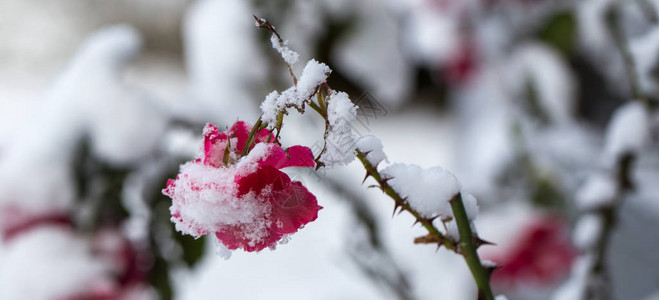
[[465, 246], [468, 249], [262, 23], [372, 171]]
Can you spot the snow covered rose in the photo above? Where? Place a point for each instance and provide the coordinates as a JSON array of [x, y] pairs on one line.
[[245, 201]]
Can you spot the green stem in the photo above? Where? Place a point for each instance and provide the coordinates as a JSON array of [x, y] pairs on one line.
[[250, 138], [468, 249]]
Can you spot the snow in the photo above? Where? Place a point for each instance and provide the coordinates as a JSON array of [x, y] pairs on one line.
[[372, 146], [271, 108], [206, 210], [86, 99], [550, 77], [340, 141], [489, 264], [49, 263], [371, 55], [224, 60], [471, 206], [644, 50], [452, 231], [289, 56], [428, 191], [575, 287], [628, 131], [598, 191], [587, 230], [313, 75], [421, 32]]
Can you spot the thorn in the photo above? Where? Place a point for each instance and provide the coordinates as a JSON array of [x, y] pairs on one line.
[[365, 177], [480, 242], [373, 186], [396, 206], [384, 181]]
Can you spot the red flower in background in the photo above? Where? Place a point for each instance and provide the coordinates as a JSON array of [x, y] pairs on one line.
[[541, 255], [463, 63], [246, 202]]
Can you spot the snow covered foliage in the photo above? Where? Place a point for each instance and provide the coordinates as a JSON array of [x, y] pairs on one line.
[[339, 137], [427, 190], [628, 131], [289, 56], [541, 106], [313, 75], [371, 146]]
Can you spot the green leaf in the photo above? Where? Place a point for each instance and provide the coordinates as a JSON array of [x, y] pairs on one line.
[[560, 32]]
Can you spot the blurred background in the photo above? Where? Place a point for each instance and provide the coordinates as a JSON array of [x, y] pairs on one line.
[[100, 101]]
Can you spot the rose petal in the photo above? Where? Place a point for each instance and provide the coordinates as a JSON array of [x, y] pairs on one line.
[[215, 143], [292, 208], [264, 176], [295, 156], [240, 130]]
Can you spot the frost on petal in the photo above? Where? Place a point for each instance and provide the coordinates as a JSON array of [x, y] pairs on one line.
[[291, 206], [247, 203], [240, 130], [628, 130], [265, 176], [204, 200], [372, 147], [427, 190], [215, 143]]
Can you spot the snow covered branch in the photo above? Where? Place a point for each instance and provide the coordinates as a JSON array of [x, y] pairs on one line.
[[438, 197]]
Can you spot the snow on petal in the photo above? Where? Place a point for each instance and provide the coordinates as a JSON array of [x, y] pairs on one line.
[[247, 203]]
